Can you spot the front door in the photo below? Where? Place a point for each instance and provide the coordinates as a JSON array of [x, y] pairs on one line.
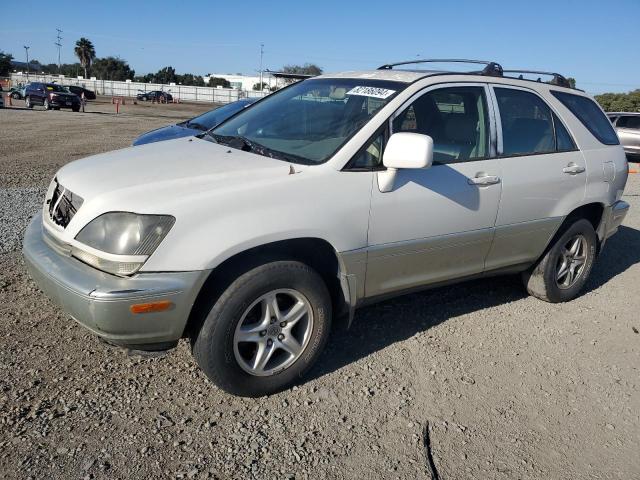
[[437, 223]]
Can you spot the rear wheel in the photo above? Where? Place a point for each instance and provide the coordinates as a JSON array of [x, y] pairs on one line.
[[46, 104], [266, 330], [561, 273]]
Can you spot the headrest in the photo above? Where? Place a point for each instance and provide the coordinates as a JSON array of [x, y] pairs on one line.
[[338, 93], [460, 128]]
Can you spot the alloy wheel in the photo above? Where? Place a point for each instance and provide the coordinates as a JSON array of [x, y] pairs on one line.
[[273, 332], [571, 262]]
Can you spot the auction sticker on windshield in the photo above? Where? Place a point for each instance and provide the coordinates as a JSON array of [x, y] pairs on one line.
[[375, 92]]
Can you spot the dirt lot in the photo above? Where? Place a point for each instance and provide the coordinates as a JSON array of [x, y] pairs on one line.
[[510, 387]]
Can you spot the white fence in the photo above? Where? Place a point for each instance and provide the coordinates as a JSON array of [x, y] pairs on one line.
[[131, 89]]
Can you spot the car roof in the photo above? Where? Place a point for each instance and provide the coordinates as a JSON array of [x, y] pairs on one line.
[[410, 76]]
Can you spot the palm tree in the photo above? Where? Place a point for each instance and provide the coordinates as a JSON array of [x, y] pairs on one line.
[[85, 52]]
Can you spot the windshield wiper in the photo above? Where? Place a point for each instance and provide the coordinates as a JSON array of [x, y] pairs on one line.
[[243, 143]]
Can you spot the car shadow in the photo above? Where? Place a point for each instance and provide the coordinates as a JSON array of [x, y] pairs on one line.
[[378, 326], [621, 252]]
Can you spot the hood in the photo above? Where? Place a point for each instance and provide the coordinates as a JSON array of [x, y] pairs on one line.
[[166, 177], [165, 133]]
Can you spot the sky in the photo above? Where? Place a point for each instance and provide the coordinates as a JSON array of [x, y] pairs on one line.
[[596, 42]]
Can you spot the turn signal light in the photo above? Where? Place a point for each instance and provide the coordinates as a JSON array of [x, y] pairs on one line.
[[152, 307]]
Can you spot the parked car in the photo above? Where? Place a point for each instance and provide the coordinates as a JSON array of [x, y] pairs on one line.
[[1, 101], [156, 95], [627, 126], [17, 92], [195, 125], [332, 193], [88, 94], [50, 95]]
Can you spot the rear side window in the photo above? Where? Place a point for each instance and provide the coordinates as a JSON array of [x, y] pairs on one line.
[[590, 115], [527, 125], [632, 122]]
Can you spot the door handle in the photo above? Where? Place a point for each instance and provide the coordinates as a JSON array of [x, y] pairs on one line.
[[573, 169], [482, 179]]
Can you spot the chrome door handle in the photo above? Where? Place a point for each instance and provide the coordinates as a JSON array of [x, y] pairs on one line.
[[482, 179], [573, 169]]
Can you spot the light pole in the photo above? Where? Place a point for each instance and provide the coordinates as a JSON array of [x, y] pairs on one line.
[[26, 49], [261, 54], [59, 45]]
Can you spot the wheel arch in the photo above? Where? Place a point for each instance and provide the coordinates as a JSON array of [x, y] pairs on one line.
[[318, 253]]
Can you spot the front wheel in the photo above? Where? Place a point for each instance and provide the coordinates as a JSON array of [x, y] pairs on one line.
[[27, 102], [15, 96], [266, 329], [46, 104], [561, 273]]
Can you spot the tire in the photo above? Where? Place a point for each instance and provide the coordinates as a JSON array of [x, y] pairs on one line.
[[46, 104], [226, 360], [15, 95], [75, 109], [551, 279], [27, 102]]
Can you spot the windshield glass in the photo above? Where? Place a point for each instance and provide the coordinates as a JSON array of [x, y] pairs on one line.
[[52, 87], [215, 117], [309, 121]]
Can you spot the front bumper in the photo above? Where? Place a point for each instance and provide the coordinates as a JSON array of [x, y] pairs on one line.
[[101, 302]]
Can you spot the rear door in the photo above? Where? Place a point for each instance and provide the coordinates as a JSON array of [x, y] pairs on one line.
[[543, 173]]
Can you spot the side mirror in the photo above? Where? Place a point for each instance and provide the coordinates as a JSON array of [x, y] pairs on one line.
[[404, 150]]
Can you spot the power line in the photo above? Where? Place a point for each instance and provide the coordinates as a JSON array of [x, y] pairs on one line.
[[58, 44]]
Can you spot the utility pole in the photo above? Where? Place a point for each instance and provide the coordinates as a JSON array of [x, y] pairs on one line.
[[58, 44], [26, 49], [261, 54]]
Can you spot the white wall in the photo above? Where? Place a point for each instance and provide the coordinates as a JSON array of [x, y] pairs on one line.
[[131, 89]]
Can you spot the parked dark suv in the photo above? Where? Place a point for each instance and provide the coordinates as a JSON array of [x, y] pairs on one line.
[[156, 95], [50, 95]]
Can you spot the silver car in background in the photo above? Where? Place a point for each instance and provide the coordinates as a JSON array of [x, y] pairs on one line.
[[627, 127]]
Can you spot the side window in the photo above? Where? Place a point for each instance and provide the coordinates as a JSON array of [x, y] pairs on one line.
[[527, 125], [632, 122], [589, 115], [564, 142], [455, 117], [369, 156]]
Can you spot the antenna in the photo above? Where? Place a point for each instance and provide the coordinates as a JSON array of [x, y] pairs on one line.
[[261, 54], [58, 44]]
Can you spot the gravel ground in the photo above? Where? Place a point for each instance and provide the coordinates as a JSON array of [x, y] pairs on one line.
[[498, 384]]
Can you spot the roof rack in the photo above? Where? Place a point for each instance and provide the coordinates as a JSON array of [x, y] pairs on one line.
[[492, 69], [556, 78]]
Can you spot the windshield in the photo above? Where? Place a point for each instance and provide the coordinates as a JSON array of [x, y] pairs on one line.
[[216, 117], [309, 121]]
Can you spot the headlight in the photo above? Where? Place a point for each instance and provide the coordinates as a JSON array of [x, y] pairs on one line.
[[120, 242]]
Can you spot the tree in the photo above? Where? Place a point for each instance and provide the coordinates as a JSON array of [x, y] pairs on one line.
[[620, 102], [306, 69], [191, 79], [5, 63], [85, 52], [256, 86], [215, 81], [112, 68]]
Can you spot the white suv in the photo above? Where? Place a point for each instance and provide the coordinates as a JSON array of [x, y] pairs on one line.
[[331, 193]]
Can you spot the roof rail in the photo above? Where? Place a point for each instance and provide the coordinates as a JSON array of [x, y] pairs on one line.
[[556, 78], [491, 68]]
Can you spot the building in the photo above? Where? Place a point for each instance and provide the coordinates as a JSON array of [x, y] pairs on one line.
[[243, 82]]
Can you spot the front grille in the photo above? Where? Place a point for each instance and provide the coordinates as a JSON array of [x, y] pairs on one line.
[[63, 205]]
